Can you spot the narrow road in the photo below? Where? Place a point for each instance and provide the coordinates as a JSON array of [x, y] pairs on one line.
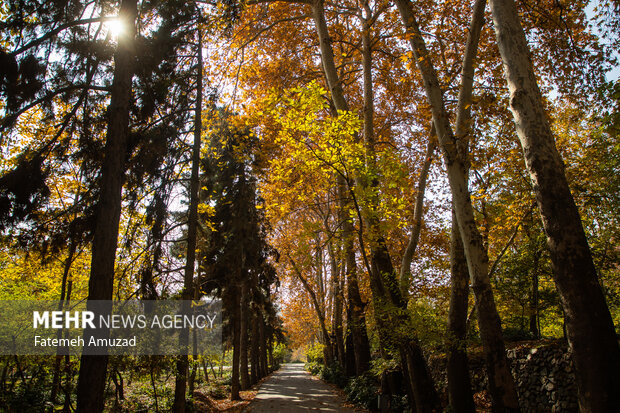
[[292, 389]]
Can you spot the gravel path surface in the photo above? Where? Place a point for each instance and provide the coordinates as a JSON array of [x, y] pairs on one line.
[[292, 389]]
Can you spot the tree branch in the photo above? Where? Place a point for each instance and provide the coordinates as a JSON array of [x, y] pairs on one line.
[[405, 266], [57, 30]]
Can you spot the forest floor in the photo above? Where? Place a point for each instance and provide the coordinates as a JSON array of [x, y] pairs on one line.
[[292, 389]]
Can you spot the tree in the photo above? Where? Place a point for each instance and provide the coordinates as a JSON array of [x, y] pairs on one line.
[[91, 384], [236, 257], [590, 328], [192, 229], [501, 384]]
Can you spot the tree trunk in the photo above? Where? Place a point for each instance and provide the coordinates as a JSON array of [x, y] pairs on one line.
[[360, 339], [205, 369], [590, 329], [236, 343], [501, 383], [61, 304], [93, 369], [68, 366], [405, 265], [422, 384], [534, 319], [192, 225], [327, 349], [243, 349], [263, 347], [272, 363], [357, 321], [349, 350], [460, 396], [254, 349], [67, 408], [409, 387], [337, 307], [195, 367], [383, 282]]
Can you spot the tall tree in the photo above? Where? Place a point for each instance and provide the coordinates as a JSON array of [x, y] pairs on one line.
[[236, 251], [460, 395], [589, 326], [386, 292], [501, 383], [93, 369], [192, 232]]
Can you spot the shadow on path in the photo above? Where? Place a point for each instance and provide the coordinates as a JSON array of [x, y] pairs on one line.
[[292, 389]]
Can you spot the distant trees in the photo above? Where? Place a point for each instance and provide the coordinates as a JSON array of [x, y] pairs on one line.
[[236, 260]]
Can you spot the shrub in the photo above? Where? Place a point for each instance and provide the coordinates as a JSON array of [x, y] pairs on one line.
[[363, 391], [314, 367], [517, 334], [218, 392], [24, 400], [399, 403], [334, 374]]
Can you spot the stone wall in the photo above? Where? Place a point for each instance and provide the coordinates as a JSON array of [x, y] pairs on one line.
[[544, 376]]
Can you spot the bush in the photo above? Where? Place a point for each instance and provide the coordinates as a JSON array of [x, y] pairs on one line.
[[363, 391], [517, 334], [25, 400], [399, 403], [314, 367], [334, 374], [218, 392]]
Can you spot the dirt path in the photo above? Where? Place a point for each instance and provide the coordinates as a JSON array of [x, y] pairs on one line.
[[292, 389]]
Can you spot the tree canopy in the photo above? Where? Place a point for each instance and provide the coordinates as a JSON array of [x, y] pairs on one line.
[[372, 182]]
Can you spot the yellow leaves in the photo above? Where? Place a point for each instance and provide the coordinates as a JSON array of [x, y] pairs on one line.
[[207, 209], [25, 277]]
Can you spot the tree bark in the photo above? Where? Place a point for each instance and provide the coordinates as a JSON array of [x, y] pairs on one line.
[[460, 395], [356, 306], [412, 244], [254, 350], [589, 327], [194, 369], [349, 349], [337, 306], [93, 369], [243, 349], [263, 346], [272, 363], [63, 296], [182, 364], [501, 383], [236, 343], [534, 313]]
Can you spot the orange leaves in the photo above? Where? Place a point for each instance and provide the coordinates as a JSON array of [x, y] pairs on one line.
[[312, 147]]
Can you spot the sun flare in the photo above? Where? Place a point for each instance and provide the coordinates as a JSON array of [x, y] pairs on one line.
[[116, 27]]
